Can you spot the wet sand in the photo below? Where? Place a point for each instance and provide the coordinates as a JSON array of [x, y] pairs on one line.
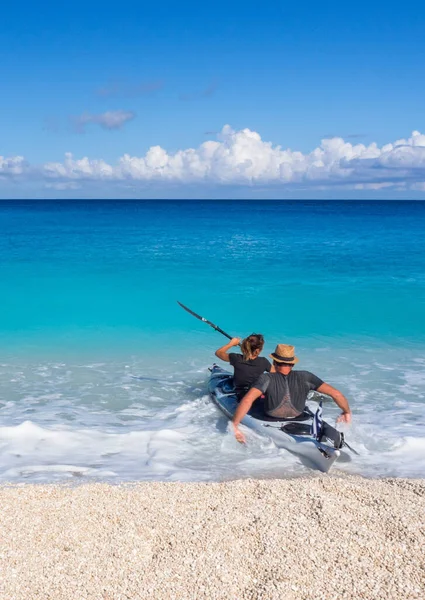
[[323, 537]]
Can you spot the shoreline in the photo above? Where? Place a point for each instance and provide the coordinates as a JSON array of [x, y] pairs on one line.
[[331, 537]]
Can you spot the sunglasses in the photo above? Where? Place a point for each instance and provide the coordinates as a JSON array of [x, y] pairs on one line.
[[282, 364]]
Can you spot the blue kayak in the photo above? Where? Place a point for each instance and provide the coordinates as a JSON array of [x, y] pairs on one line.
[[296, 435]]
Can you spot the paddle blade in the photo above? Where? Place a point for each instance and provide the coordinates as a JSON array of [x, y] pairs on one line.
[[204, 320], [191, 312]]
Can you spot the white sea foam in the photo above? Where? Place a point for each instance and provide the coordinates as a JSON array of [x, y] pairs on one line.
[[66, 421]]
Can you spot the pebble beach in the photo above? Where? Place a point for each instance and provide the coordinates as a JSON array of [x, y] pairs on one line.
[[318, 537]]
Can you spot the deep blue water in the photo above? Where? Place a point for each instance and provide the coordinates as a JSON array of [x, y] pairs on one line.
[[89, 294]]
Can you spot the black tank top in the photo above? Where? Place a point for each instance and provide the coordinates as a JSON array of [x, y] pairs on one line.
[[247, 371]]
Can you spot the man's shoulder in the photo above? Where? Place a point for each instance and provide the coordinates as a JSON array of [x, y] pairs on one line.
[[263, 379], [304, 374], [309, 378], [266, 375]]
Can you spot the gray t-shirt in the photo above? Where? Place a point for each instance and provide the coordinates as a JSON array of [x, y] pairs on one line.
[[285, 395]]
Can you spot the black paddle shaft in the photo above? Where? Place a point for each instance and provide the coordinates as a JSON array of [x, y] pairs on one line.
[[216, 327]]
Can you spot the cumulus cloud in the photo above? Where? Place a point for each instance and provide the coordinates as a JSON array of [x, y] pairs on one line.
[[112, 119], [63, 185], [15, 165], [243, 158]]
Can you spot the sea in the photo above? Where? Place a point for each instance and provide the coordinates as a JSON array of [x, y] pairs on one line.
[[103, 376]]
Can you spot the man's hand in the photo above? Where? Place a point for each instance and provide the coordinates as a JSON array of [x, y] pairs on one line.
[[344, 417], [235, 341], [239, 435]]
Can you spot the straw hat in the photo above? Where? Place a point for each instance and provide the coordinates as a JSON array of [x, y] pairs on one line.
[[284, 354]]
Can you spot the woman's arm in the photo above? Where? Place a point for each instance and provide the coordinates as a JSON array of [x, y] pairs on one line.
[[222, 352]]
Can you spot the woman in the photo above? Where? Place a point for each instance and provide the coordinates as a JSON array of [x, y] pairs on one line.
[[247, 366]]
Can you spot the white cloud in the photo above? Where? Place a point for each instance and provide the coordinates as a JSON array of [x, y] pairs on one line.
[[112, 119], [372, 186], [71, 169], [14, 165], [243, 158], [63, 185]]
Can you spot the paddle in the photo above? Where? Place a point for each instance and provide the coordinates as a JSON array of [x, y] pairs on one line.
[[216, 327]]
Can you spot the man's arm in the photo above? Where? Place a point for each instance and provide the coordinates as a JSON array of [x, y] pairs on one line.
[[242, 409], [222, 352], [339, 399]]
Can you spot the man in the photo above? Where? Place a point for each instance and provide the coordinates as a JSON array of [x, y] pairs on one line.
[[285, 391]]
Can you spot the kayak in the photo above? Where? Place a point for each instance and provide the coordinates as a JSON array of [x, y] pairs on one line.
[[296, 434]]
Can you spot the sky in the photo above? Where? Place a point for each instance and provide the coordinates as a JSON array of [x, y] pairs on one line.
[[212, 100]]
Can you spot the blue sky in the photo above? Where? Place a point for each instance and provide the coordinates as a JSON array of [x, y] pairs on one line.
[[173, 75]]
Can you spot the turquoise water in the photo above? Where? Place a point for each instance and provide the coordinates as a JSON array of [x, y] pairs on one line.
[[103, 375]]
